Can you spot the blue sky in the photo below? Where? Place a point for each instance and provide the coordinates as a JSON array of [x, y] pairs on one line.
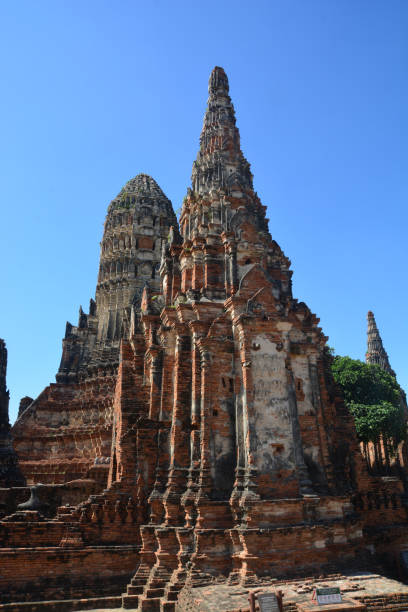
[[94, 92]]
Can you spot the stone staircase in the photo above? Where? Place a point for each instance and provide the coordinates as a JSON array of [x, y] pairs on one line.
[[135, 588], [172, 590], [156, 589], [147, 589]]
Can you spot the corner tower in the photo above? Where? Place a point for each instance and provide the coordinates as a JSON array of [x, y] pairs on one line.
[[65, 433], [223, 222], [137, 224]]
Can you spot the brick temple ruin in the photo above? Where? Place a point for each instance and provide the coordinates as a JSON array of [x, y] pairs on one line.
[[66, 432], [195, 434]]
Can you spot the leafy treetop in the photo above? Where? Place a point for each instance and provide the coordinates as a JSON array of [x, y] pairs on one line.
[[373, 397]]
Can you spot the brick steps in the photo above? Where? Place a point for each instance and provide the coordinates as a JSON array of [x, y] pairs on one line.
[[129, 602], [154, 593], [134, 590], [150, 605], [152, 590]]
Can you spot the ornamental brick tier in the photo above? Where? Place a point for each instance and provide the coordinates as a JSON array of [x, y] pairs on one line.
[[234, 459]]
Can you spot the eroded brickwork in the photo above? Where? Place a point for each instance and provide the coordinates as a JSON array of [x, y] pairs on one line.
[[66, 432]]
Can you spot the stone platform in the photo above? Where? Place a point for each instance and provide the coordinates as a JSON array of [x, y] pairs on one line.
[[372, 591], [365, 591]]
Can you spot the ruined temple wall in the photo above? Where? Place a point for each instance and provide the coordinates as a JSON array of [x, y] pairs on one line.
[[33, 574], [130, 404], [310, 415], [275, 454], [66, 430], [221, 388], [225, 413], [297, 549], [105, 521]]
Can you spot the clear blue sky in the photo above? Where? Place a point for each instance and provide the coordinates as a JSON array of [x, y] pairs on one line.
[[94, 92]]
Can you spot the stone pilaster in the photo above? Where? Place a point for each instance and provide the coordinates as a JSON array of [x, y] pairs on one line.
[[180, 447]]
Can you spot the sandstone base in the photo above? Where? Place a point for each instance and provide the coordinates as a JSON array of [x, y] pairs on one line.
[[364, 591]]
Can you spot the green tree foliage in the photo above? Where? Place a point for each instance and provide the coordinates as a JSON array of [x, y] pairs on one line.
[[373, 397]]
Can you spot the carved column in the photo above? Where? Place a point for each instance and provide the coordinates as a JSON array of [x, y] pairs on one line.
[[240, 466], [205, 478], [155, 381], [186, 266], [198, 264], [179, 441], [250, 471], [231, 273], [194, 470], [176, 280]]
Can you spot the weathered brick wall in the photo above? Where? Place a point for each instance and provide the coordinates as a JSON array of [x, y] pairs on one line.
[[66, 430], [29, 574]]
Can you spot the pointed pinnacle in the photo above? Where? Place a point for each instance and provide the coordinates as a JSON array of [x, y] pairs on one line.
[[376, 353], [220, 163], [218, 81]]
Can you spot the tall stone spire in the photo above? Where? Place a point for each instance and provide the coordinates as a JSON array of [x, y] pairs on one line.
[[220, 162], [375, 351], [223, 221], [9, 472], [137, 224]]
